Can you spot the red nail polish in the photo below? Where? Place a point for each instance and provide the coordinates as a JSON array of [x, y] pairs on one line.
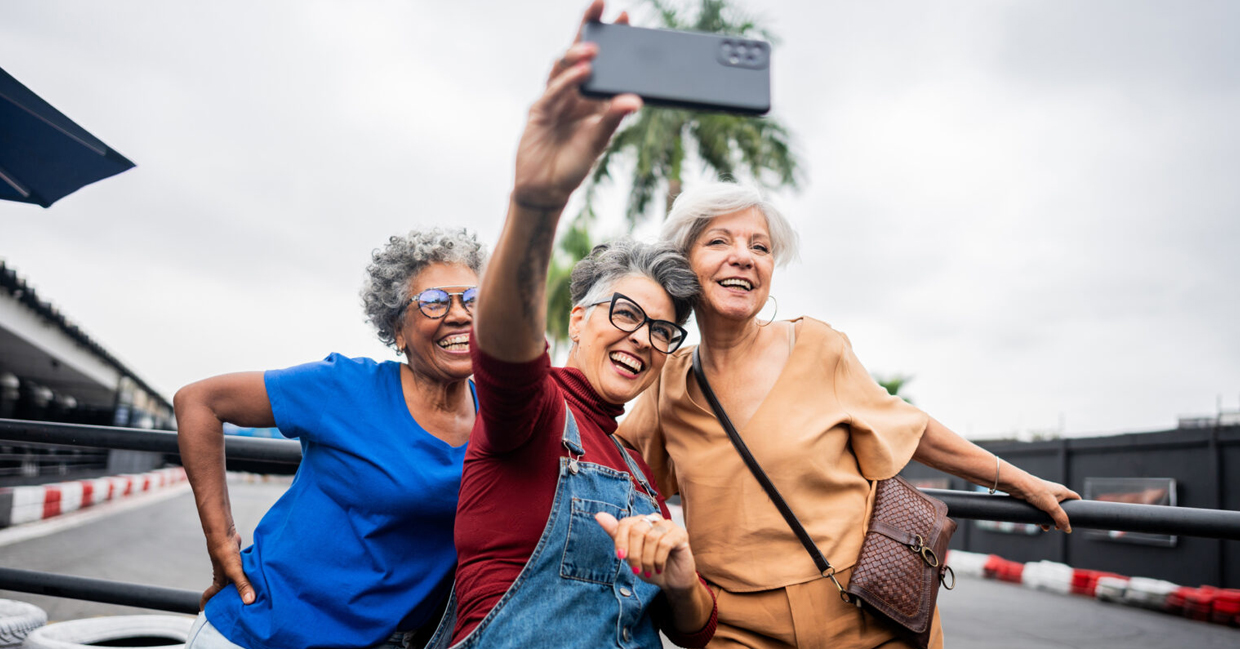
[[657, 571], [647, 574], [636, 570], [620, 554]]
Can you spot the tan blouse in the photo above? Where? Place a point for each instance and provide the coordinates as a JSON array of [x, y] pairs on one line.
[[825, 430]]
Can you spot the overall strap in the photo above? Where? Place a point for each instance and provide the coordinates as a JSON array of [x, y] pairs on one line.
[[634, 469], [572, 437], [824, 566]]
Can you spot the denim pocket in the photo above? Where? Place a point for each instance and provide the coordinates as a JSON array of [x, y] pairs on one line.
[[589, 552]]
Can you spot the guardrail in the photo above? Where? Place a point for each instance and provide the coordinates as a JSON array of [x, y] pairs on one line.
[[280, 451], [1188, 521]]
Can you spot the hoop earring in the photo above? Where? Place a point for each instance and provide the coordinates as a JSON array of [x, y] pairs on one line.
[[771, 298], [400, 351]]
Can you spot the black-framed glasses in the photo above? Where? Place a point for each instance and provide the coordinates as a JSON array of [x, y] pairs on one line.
[[627, 316], [434, 303]]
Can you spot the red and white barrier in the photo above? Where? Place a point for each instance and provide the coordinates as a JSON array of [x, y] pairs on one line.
[[27, 504], [1207, 603]]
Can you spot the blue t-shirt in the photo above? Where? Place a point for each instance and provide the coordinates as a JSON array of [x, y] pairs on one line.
[[361, 543]]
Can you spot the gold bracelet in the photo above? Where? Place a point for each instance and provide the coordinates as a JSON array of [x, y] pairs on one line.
[[996, 487]]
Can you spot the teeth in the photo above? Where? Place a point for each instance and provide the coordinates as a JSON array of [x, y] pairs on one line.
[[627, 361], [737, 282], [455, 342]]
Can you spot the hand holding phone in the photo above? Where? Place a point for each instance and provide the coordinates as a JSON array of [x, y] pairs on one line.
[[681, 69]]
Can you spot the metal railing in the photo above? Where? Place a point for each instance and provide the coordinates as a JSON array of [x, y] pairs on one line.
[[1188, 521]]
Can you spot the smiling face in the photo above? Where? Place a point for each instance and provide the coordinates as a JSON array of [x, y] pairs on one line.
[[733, 261], [619, 365], [438, 349]]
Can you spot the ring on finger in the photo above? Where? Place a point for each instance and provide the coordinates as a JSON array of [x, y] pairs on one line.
[[653, 519]]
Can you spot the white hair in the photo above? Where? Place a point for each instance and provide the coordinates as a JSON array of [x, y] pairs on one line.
[[694, 208]]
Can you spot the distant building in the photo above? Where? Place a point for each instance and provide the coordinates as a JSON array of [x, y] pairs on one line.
[[1223, 418], [50, 370]]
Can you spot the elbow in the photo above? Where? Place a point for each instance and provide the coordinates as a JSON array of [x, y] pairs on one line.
[[186, 400]]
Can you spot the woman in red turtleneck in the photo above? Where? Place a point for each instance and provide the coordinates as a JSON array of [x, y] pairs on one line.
[[561, 539]]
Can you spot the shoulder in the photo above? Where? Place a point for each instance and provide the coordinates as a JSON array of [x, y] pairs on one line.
[[335, 369], [675, 374], [679, 361], [813, 331]]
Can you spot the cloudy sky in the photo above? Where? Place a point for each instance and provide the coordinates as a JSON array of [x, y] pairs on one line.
[[1031, 207]]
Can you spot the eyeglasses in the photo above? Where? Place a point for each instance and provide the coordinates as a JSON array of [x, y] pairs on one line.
[[627, 316], [434, 303]]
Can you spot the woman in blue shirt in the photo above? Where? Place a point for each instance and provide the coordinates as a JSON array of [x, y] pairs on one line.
[[358, 551]]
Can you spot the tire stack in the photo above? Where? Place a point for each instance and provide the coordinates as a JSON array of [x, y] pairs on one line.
[[18, 620], [147, 631]]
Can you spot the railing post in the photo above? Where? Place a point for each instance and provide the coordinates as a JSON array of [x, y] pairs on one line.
[[1216, 479], [1065, 478]]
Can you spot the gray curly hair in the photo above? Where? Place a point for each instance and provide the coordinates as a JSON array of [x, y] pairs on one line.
[[386, 290], [593, 277]]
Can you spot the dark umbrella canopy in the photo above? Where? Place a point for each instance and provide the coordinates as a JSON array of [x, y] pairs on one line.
[[44, 156]]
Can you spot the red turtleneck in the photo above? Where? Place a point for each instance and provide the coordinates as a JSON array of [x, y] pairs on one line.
[[511, 469]]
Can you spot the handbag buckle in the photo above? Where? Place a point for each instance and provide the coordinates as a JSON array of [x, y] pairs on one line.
[[927, 554], [947, 570]]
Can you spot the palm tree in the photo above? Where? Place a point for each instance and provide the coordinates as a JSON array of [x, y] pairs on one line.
[[894, 383], [661, 141]]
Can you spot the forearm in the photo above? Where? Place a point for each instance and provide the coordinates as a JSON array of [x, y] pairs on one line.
[[511, 318], [200, 436], [691, 609], [201, 410], [942, 449]]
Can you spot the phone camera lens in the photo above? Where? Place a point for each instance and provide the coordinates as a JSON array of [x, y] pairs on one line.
[[740, 50], [734, 59]]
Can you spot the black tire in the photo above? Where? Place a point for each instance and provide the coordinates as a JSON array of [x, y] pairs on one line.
[[145, 630], [17, 620]]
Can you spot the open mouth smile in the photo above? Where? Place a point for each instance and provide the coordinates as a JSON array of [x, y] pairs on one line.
[[627, 364], [736, 282], [457, 343]]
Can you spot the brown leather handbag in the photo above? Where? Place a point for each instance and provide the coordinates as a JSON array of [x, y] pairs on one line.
[[901, 563]]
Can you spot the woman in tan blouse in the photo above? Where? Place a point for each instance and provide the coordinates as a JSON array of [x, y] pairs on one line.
[[816, 421]]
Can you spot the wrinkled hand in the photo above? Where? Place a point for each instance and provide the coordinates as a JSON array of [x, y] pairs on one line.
[[1046, 496], [658, 552], [226, 568], [565, 132]]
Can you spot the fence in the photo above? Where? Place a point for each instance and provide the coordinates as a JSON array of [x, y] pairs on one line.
[[1200, 466], [285, 454]]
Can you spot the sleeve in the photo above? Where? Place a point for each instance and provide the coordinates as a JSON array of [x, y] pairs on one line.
[[301, 395], [514, 400], [885, 429], [642, 431]]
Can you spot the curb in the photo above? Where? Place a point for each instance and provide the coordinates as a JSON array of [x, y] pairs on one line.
[[28, 504], [1207, 603]]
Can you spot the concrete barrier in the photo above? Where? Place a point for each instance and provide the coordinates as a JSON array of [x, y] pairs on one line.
[[35, 503]]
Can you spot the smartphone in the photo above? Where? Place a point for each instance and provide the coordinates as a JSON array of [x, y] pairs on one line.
[[681, 69]]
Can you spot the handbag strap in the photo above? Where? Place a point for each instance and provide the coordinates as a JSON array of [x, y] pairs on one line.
[[824, 566]]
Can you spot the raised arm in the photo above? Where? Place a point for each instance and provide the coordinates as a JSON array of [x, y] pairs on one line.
[[201, 410], [944, 450], [564, 134]]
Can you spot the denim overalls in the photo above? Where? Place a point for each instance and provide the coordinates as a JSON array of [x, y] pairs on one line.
[[573, 591]]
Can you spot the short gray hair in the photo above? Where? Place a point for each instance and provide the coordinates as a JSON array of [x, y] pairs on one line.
[[694, 208], [595, 276], [386, 290]]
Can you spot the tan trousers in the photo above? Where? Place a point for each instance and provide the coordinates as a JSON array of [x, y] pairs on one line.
[[809, 615]]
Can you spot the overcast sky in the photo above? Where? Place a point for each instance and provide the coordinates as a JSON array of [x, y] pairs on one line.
[[1031, 207]]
